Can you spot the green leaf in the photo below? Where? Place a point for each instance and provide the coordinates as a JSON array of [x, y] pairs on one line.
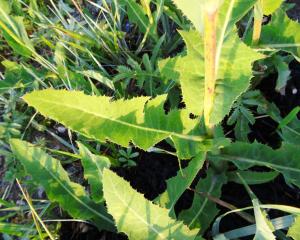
[[178, 184], [193, 10], [291, 132], [264, 228], [242, 129], [252, 177], [15, 76], [263, 225], [280, 34], [14, 32], [203, 211], [270, 6], [138, 217], [137, 15], [93, 166], [99, 77], [49, 173], [283, 70], [284, 160], [289, 118], [19, 230], [139, 120], [294, 229], [235, 71]]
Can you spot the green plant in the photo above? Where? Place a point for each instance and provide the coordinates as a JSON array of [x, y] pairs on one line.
[[126, 157], [214, 73]]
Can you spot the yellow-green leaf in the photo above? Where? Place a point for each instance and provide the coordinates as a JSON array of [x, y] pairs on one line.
[[138, 217], [49, 173]]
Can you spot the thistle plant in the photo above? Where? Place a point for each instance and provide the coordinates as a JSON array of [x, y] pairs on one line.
[[213, 72]]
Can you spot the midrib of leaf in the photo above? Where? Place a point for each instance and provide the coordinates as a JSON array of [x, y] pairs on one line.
[[183, 136], [253, 161], [136, 214], [203, 204], [77, 199]]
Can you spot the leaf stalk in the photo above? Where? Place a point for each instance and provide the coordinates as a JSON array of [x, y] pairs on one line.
[[258, 19], [210, 50]]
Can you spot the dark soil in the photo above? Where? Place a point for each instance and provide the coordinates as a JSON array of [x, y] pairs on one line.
[[294, 12]]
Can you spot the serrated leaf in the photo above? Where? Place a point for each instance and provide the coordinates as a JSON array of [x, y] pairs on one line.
[[235, 71], [178, 184], [280, 34], [270, 6], [93, 166], [284, 160], [49, 173], [193, 10], [139, 120], [138, 217], [294, 229], [203, 211]]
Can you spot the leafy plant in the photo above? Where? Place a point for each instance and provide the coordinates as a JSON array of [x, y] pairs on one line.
[[213, 74], [126, 157]]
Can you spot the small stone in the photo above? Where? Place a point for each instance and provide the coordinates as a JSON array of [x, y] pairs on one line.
[[61, 129], [295, 91]]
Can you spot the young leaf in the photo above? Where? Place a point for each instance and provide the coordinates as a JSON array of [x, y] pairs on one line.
[[93, 170], [138, 217], [284, 160], [203, 211], [49, 173], [178, 184], [139, 120]]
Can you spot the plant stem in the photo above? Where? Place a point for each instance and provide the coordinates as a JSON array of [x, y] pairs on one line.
[[210, 49], [222, 203], [258, 19]]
